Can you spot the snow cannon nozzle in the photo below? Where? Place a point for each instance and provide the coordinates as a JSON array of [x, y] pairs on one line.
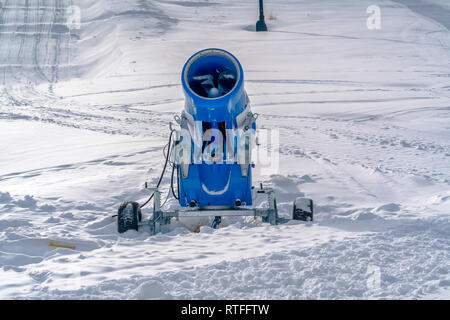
[[212, 81]]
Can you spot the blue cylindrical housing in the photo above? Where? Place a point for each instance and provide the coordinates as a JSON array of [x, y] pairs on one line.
[[202, 107], [213, 84]]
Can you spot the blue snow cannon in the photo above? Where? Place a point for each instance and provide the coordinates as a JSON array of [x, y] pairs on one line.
[[217, 126], [211, 152]]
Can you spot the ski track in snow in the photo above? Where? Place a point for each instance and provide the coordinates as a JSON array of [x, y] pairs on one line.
[[364, 128]]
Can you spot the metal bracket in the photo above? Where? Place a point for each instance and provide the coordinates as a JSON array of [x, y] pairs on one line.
[[161, 218]]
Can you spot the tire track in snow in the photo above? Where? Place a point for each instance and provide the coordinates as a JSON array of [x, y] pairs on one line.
[[34, 44], [344, 142], [3, 11], [109, 160]]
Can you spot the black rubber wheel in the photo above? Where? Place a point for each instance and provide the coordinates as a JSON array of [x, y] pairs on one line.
[[128, 216], [303, 214]]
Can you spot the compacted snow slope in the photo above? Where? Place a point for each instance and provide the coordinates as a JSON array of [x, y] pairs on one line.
[[364, 123]]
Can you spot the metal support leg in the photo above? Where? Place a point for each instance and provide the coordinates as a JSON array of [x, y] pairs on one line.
[[155, 225]]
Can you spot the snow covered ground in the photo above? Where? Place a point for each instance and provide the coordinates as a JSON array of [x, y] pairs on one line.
[[364, 122]]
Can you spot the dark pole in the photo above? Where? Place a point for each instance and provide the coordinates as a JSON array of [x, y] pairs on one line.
[[261, 25]]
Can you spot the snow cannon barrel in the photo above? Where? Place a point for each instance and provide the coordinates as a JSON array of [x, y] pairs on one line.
[[213, 83], [213, 149]]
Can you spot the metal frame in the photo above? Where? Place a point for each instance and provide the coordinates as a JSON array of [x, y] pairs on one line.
[[161, 218]]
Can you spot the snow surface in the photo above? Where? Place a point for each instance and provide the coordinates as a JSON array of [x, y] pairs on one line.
[[364, 126]]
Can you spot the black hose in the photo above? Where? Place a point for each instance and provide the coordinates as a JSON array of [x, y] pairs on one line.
[[167, 155], [171, 183]]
